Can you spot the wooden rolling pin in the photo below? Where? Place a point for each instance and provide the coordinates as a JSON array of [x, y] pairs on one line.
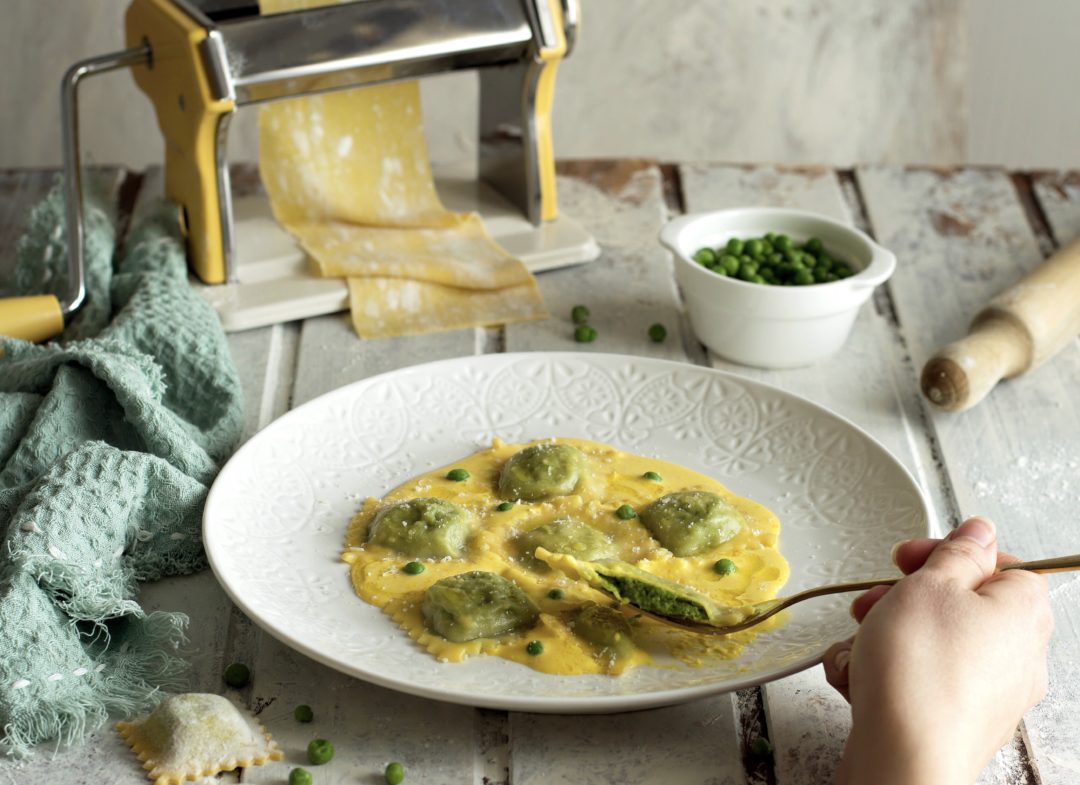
[[1020, 329]]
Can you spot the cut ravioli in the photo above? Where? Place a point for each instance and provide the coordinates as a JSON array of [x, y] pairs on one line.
[[650, 593], [197, 735]]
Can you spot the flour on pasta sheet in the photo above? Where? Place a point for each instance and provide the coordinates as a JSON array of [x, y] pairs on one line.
[[348, 175]]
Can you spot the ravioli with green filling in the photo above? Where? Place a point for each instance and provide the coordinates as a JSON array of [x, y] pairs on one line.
[[543, 471], [603, 628], [477, 604], [691, 522], [650, 593], [565, 536], [422, 528]]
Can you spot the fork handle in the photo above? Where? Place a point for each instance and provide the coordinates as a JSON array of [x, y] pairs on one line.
[[1058, 564]]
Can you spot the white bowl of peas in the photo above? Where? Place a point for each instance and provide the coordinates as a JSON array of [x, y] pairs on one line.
[[773, 287]]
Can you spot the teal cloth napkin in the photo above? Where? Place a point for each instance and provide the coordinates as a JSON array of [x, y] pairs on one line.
[[109, 439]]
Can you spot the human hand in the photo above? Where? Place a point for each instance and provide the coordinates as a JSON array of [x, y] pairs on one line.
[[944, 663]]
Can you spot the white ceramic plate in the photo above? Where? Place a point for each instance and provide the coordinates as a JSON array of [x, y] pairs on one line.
[[275, 519]]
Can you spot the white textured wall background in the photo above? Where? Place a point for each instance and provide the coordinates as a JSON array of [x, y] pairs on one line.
[[832, 81], [794, 81], [1023, 84]]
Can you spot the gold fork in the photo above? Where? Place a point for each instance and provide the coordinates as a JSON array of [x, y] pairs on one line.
[[746, 616]]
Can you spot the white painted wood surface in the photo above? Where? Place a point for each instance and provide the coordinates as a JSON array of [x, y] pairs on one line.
[[959, 236], [1053, 727], [867, 382]]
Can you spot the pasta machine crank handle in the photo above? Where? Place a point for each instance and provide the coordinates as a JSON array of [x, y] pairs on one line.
[[69, 118]]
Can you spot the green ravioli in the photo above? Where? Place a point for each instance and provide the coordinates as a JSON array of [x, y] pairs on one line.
[[543, 471], [477, 604], [423, 528], [566, 536], [688, 523]]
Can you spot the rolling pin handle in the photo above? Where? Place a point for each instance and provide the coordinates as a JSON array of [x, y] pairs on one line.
[[964, 372]]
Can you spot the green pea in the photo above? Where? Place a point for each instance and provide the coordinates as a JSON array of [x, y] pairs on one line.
[[775, 259], [504, 506], [657, 332], [319, 751], [413, 568], [535, 648], [724, 567], [237, 675], [303, 713], [395, 774], [761, 747], [705, 256], [626, 512], [579, 314], [652, 476], [300, 777], [458, 475], [584, 334], [556, 594]]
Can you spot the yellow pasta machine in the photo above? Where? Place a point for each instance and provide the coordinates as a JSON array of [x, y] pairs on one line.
[[200, 60]]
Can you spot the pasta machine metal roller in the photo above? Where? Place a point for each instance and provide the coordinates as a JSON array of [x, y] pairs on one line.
[[200, 60]]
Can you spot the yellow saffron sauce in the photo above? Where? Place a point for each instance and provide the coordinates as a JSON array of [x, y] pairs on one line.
[[615, 478]]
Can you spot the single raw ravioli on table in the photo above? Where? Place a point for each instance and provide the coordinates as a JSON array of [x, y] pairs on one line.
[[197, 735], [347, 173], [496, 560]]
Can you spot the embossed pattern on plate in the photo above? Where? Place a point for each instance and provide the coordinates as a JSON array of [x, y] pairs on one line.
[[275, 519]]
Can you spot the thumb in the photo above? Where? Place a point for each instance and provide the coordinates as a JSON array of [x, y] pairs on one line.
[[836, 662], [968, 555]]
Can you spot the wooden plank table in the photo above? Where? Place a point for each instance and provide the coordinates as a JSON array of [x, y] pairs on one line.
[[960, 237]]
